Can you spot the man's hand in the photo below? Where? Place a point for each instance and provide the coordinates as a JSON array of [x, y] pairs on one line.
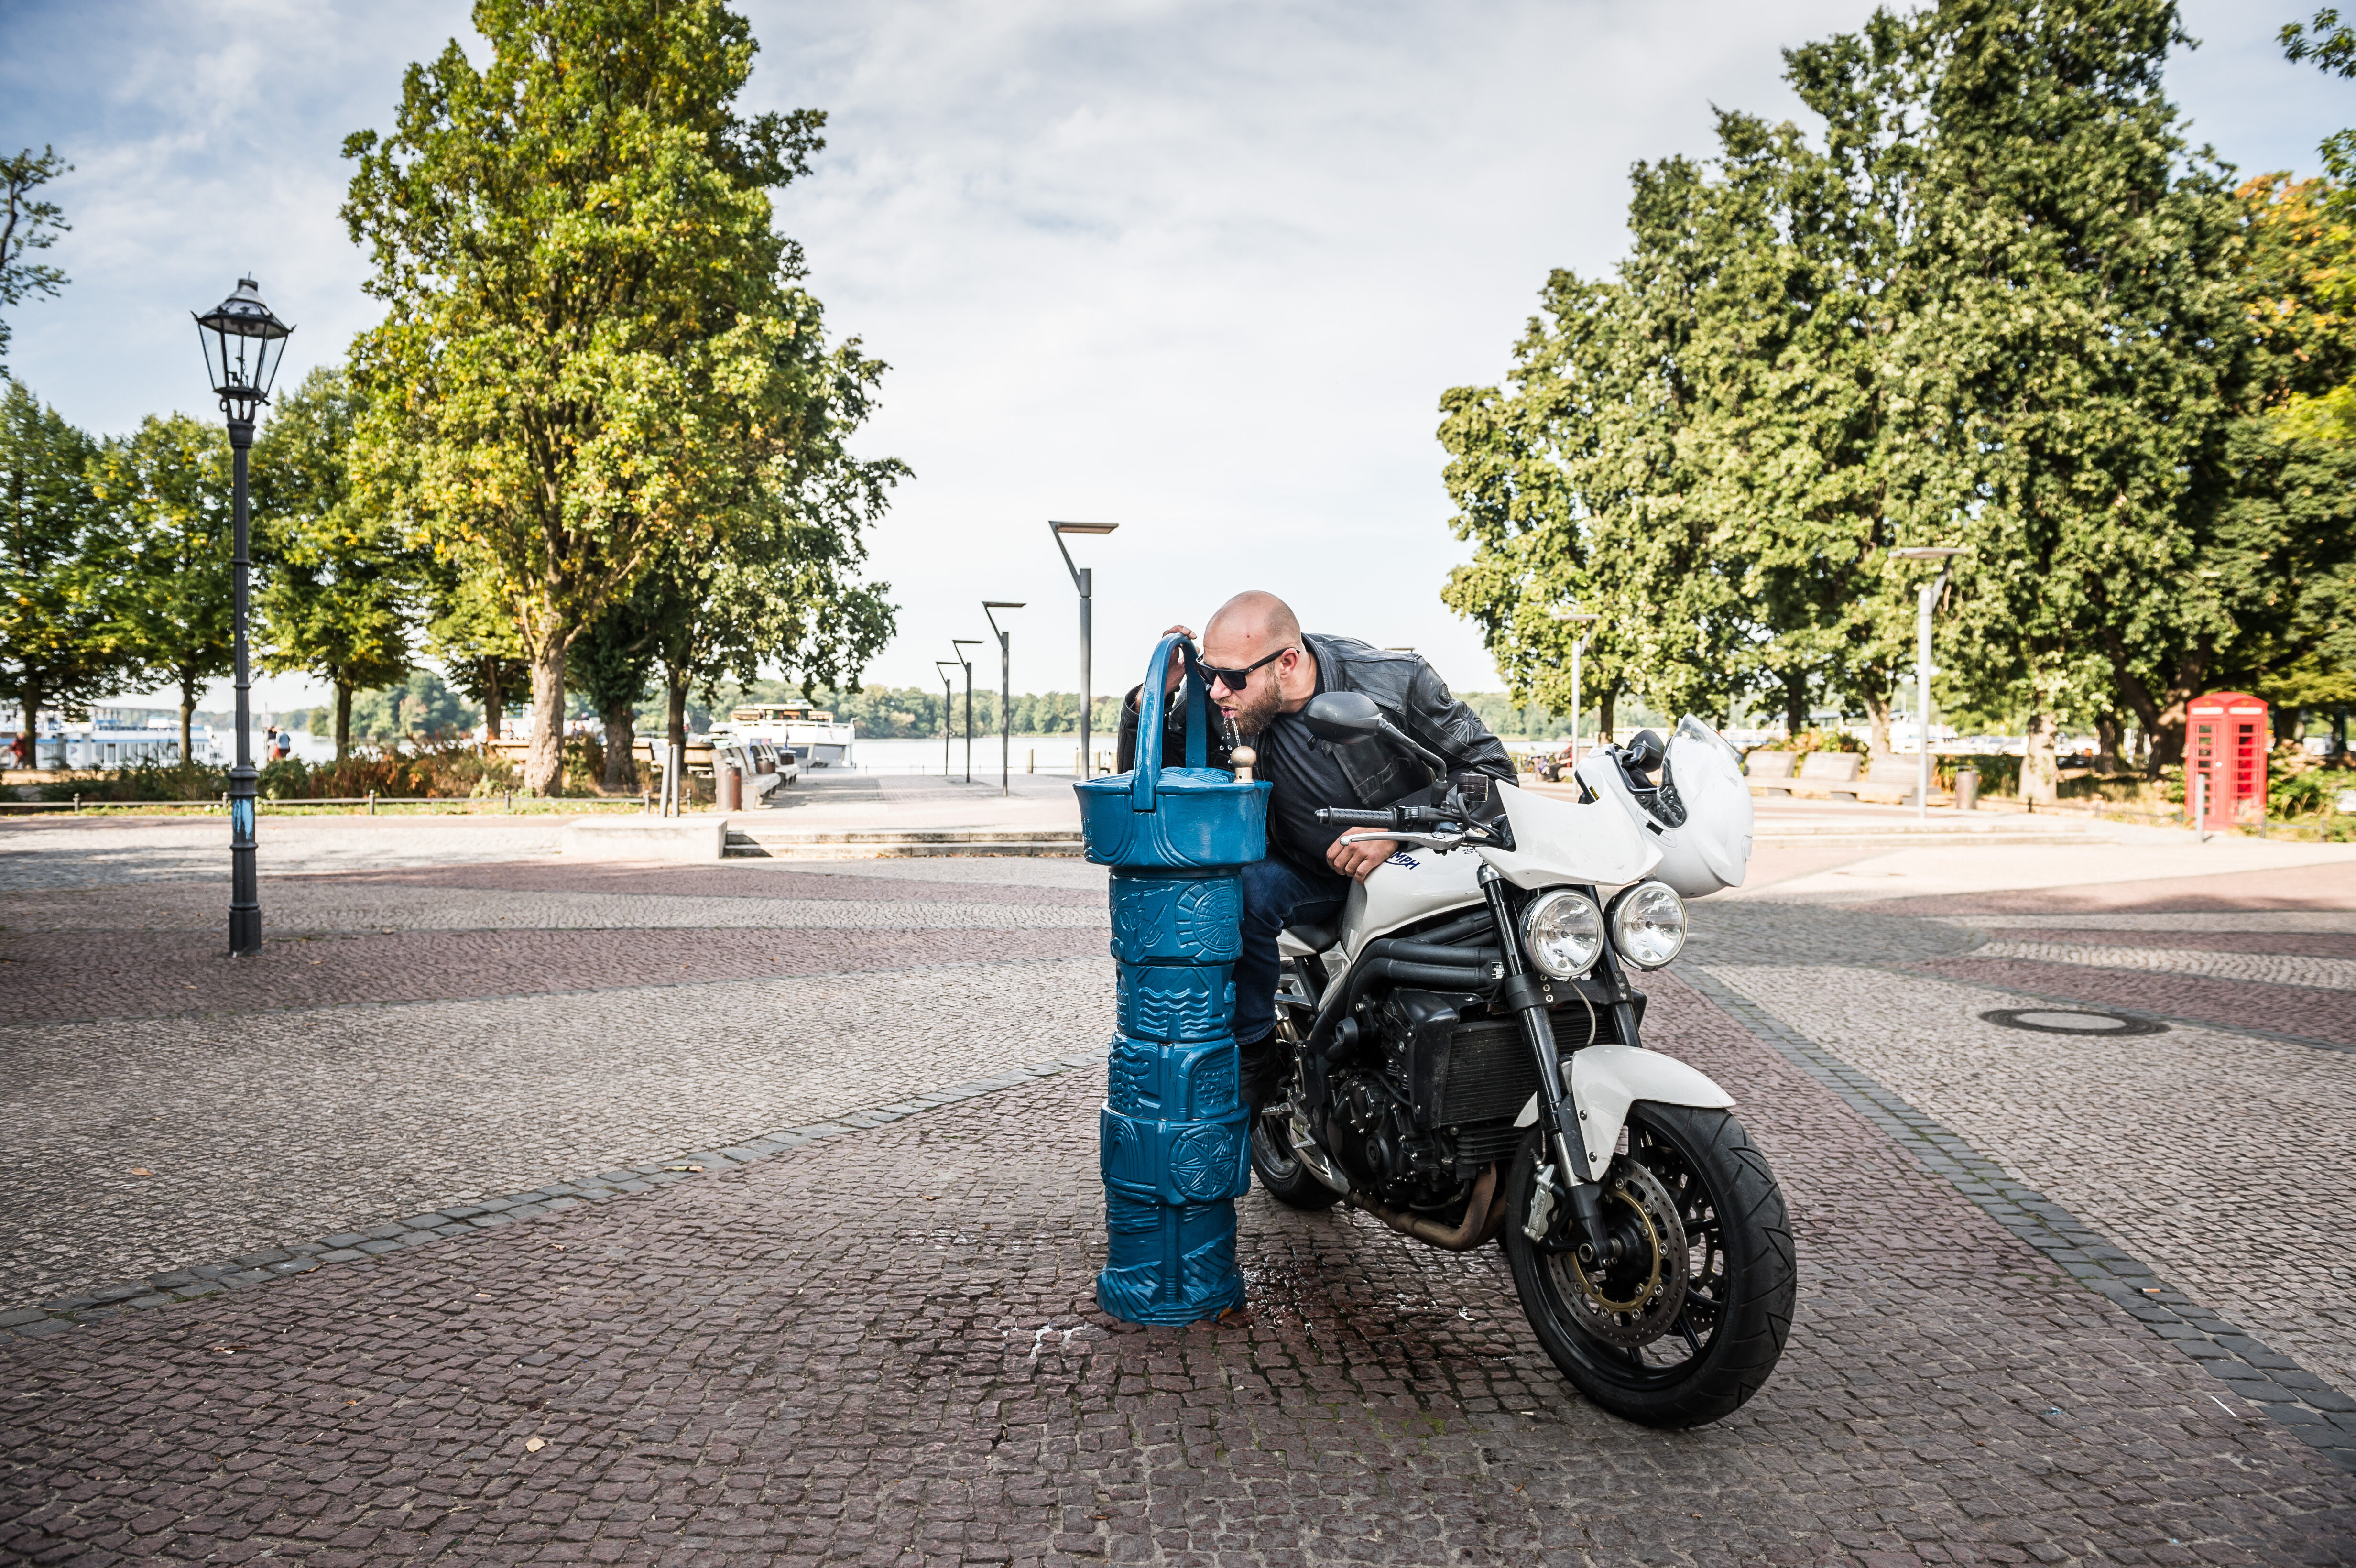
[[1356, 860], [1178, 667]]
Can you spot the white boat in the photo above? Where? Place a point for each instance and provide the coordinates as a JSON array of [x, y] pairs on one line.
[[815, 737], [110, 737]]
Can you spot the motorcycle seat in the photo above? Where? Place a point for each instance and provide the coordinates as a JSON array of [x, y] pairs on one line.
[[1316, 938]]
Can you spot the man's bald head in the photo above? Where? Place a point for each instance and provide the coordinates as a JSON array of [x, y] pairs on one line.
[[1250, 625]]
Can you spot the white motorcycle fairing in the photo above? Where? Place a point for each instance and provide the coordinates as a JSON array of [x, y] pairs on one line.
[[1605, 1080], [1564, 841], [1409, 886]]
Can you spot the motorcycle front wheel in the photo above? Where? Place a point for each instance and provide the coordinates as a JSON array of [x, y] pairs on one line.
[[1690, 1321]]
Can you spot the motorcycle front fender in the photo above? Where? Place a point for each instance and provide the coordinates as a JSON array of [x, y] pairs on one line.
[[1605, 1080]]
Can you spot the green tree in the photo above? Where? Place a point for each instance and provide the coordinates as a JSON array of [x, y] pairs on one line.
[[468, 627], [2094, 341], [60, 645], [780, 587], [166, 492], [586, 355], [339, 600], [28, 223]]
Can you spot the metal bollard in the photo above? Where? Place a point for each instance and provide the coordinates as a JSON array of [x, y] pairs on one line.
[[1968, 789], [371, 803], [1173, 1136]]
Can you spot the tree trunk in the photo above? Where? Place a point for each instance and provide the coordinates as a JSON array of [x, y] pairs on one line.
[[343, 720], [2039, 779], [675, 689], [2107, 762], [32, 731], [1603, 717], [543, 765], [1795, 702], [493, 700], [621, 767], [1877, 718], [187, 720]]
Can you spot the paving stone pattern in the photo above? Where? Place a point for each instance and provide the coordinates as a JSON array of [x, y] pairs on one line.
[[878, 1350], [2279, 967]]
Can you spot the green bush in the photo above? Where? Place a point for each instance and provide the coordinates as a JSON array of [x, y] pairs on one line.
[[2313, 793], [148, 781]]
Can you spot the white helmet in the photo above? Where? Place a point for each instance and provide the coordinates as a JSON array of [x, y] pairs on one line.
[[1698, 817]]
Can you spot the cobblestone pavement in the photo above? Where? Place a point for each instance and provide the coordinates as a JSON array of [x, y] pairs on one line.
[[879, 1348], [879, 1351]]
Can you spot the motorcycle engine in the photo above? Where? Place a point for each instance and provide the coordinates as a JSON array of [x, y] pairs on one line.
[[1373, 1134]]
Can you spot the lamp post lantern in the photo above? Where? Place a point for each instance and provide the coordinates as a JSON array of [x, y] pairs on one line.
[[948, 705], [1928, 596], [962, 644], [1005, 684], [1084, 578], [242, 344]]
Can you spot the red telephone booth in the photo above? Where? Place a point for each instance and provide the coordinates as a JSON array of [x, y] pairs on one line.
[[2225, 741]]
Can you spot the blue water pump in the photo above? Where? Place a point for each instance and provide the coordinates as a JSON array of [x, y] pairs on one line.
[[1173, 1134]]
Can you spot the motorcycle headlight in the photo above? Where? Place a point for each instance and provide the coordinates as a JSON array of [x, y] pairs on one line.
[[1648, 925], [1562, 932]]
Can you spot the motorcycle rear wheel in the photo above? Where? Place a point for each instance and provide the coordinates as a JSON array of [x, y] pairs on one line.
[[1280, 1170], [1741, 1277]]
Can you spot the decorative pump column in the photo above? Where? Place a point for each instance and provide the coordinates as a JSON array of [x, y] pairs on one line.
[[1174, 1132]]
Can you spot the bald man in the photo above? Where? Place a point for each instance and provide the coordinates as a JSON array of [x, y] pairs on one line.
[[1263, 669]]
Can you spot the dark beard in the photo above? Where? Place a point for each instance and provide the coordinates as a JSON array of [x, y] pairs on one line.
[[1259, 709]]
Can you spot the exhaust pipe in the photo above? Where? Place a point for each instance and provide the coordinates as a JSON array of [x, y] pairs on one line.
[[1476, 1229]]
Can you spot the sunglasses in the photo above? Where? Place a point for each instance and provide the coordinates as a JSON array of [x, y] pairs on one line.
[[1236, 680]]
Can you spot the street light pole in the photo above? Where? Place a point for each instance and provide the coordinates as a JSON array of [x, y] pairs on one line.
[[1928, 596], [1578, 652], [967, 642], [949, 706], [1005, 684], [1083, 579], [244, 344]]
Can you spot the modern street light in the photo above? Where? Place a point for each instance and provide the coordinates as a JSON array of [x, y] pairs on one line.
[[1945, 556], [967, 642], [242, 344], [1084, 578], [1005, 683], [949, 703], [1578, 652]]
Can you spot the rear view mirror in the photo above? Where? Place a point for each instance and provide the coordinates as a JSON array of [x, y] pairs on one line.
[[1342, 716]]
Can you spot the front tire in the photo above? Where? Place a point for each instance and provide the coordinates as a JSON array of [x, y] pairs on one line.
[[1697, 1359]]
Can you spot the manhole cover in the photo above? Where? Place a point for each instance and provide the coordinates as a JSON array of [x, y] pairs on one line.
[[2070, 1020]]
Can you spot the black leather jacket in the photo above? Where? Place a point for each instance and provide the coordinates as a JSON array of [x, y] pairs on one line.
[[1411, 696]]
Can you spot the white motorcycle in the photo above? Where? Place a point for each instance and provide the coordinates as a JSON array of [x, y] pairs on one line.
[[1465, 1065]]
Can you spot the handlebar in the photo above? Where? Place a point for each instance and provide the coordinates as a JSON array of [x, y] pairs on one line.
[[1341, 816]]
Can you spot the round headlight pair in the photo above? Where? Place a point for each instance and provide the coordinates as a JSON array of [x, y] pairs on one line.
[[1648, 925], [1562, 932]]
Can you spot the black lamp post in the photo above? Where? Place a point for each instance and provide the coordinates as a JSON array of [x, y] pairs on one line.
[[244, 344], [962, 644], [1084, 578], [1005, 683], [949, 706]]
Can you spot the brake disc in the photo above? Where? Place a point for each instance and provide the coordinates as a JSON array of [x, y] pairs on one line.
[[1634, 1301]]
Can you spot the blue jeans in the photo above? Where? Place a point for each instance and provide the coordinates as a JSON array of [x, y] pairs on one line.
[[1277, 893]]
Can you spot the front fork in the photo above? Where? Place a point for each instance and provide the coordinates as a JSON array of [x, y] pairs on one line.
[[1557, 1115]]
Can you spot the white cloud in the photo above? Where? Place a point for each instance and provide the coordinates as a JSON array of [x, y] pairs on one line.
[[1201, 268]]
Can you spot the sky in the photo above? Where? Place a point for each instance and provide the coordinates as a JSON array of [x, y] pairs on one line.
[[1197, 267]]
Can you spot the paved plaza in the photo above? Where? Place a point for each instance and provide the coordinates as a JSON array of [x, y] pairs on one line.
[[514, 1208]]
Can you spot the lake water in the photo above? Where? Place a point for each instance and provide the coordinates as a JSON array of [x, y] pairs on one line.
[[1028, 754]]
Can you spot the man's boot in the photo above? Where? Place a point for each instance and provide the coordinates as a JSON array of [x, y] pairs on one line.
[[1261, 1065]]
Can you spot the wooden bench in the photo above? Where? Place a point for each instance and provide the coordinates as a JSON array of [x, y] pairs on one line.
[[1834, 775]]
